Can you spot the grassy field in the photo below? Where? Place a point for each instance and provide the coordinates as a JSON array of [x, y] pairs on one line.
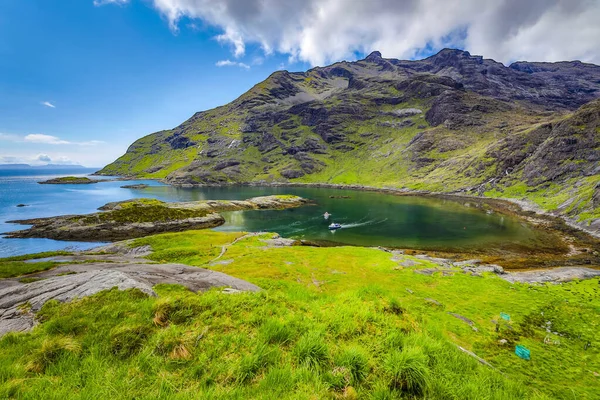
[[345, 322]]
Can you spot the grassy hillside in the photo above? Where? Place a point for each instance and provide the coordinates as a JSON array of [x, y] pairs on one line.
[[329, 323], [452, 122]]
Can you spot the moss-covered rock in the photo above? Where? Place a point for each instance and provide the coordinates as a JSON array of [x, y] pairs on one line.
[[70, 180], [143, 217]]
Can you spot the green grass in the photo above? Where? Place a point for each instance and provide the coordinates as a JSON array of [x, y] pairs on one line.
[[35, 256], [10, 269], [135, 212], [329, 323]]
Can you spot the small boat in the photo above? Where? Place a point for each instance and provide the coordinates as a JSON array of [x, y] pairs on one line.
[[326, 215], [333, 227]]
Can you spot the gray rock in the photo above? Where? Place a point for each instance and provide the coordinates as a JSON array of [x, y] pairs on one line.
[[409, 263], [279, 242], [560, 274], [432, 301], [136, 186], [19, 302], [462, 318], [407, 112], [14, 317]]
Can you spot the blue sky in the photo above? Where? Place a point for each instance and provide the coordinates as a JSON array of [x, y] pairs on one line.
[[80, 80], [112, 73]]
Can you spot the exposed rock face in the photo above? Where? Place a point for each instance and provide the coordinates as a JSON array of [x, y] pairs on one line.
[[450, 122], [561, 274], [136, 186], [14, 316], [19, 302], [143, 217]]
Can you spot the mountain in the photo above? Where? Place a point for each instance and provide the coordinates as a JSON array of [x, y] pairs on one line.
[[451, 122]]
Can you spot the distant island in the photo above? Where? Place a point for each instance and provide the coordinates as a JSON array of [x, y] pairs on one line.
[[72, 180], [46, 166]]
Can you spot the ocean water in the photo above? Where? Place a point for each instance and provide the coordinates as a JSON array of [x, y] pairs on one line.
[[367, 218], [20, 186]]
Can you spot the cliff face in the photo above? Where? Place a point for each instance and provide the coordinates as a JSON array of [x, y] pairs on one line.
[[451, 122]]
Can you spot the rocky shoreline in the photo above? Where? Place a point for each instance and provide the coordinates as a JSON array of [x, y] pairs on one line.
[[144, 217]]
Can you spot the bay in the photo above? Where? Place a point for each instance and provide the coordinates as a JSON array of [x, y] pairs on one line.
[[367, 218]]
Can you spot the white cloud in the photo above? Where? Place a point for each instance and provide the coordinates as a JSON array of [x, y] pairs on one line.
[[40, 159], [45, 139], [321, 31], [40, 138], [48, 104], [229, 63], [43, 158]]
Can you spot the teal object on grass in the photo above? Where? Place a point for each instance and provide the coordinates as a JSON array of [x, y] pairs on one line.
[[523, 352], [505, 316]]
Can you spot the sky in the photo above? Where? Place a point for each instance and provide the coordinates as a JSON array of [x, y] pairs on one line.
[[80, 80]]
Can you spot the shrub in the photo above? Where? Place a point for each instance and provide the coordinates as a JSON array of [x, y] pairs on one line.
[[407, 370], [311, 349], [50, 351]]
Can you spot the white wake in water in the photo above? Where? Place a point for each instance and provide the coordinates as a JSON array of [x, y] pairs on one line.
[[360, 223]]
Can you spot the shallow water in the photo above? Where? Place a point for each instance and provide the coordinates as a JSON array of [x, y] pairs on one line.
[[367, 218]]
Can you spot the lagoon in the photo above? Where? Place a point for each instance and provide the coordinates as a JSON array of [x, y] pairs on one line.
[[367, 218]]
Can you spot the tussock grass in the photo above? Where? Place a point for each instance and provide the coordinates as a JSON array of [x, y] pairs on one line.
[[50, 351], [174, 343], [175, 310], [127, 340], [275, 332], [355, 360], [261, 357], [311, 349], [407, 370]]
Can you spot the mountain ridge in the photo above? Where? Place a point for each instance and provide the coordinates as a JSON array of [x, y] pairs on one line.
[[450, 122]]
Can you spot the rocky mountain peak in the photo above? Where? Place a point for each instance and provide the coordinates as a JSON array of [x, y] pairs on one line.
[[374, 57], [453, 58]]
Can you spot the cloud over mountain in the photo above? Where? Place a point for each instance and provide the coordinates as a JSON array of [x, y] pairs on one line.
[[319, 31]]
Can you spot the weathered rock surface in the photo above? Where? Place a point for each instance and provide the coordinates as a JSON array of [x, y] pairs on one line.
[[136, 186], [560, 274], [143, 217], [20, 301]]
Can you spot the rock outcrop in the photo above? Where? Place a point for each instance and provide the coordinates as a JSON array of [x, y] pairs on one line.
[[70, 180], [143, 217], [20, 301]]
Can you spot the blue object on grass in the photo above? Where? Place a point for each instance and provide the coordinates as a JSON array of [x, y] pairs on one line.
[[505, 316], [523, 352]]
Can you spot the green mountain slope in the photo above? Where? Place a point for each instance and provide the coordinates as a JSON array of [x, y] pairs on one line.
[[452, 122]]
